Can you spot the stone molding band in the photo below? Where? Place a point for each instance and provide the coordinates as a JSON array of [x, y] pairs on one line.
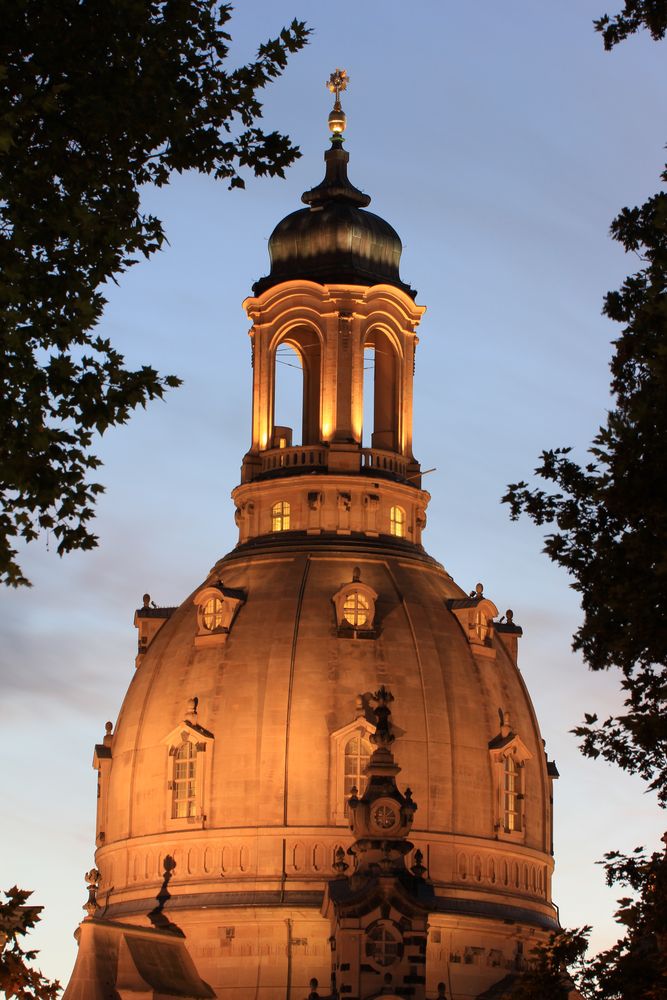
[[290, 898]]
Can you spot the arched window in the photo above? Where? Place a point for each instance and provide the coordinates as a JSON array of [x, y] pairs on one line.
[[280, 516], [183, 795], [397, 522], [212, 614], [296, 391], [356, 609], [287, 397], [357, 754], [511, 791]]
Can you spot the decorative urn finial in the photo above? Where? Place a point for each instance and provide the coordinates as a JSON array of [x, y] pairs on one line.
[[92, 885], [337, 83]]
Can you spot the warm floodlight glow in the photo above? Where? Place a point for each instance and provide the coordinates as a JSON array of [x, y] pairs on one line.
[[397, 522], [355, 609], [280, 516]]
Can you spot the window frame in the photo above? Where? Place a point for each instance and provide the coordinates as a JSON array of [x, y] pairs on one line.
[[511, 811], [217, 614], [188, 782], [347, 592], [281, 515], [339, 740], [389, 932], [356, 608], [361, 759], [510, 823], [202, 742], [229, 600], [397, 519]]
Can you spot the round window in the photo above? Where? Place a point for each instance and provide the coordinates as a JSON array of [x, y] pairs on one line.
[[355, 609], [383, 944], [212, 614]]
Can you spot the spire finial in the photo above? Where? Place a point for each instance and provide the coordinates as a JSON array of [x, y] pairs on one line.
[[337, 83]]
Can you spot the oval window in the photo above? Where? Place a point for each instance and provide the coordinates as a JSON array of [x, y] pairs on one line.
[[212, 614]]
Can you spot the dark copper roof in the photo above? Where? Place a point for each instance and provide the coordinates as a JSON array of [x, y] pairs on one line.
[[334, 240]]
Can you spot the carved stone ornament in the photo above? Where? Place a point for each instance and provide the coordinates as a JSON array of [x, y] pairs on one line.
[[344, 502], [315, 500], [92, 878]]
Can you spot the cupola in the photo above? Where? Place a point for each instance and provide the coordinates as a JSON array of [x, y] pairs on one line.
[[335, 239], [334, 297]]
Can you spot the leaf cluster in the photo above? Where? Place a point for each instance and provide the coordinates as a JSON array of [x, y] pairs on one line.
[[98, 99], [546, 974], [610, 516], [636, 967], [17, 978], [636, 14]]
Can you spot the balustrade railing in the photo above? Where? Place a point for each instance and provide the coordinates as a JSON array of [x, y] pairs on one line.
[[384, 461], [311, 456], [306, 456]]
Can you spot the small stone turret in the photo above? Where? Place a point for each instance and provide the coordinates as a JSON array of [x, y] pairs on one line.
[[379, 911]]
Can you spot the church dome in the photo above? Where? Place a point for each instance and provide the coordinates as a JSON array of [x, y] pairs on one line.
[[244, 741], [334, 240], [278, 712]]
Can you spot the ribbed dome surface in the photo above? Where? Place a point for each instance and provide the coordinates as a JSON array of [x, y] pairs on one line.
[[334, 240], [274, 697]]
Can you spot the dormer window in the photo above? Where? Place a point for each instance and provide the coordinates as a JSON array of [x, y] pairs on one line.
[[189, 777], [509, 756], [217, 607], [476, 615], [355, 608], [351, 750], [280, 516], [397, 522]]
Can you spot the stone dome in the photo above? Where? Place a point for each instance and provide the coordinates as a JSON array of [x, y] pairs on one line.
[[225, 791], [334, 240], [277, 702]]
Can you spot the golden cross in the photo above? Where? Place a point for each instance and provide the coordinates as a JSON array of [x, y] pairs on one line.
[[338, 82]]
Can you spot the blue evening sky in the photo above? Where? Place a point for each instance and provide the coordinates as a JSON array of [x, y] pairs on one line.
[[499, 140]]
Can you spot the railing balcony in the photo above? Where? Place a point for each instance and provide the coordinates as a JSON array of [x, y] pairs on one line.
[[384, 461], [304, 457]]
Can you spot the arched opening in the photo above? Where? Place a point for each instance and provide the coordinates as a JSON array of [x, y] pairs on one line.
[[368, 398], [381, 393], [287, 398], [296, 390]]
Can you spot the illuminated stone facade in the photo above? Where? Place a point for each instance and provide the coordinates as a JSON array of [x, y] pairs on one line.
[[243, 748]]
